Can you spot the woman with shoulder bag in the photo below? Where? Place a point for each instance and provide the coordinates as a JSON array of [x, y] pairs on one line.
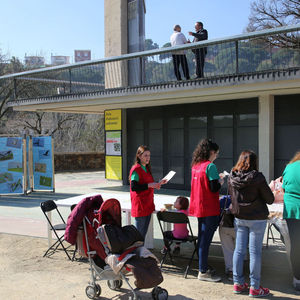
[[227, 234], [250, 195]]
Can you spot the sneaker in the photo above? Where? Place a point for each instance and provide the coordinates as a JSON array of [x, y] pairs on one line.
[[229, 275], [163, 250], [207, 276], [211, 270], [296, 284], [260, 292], [176, 251], [240, 288]]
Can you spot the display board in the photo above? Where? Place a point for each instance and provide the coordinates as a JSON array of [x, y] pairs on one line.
[[11, 165], [113, 144], [42, 162], [113, 167]]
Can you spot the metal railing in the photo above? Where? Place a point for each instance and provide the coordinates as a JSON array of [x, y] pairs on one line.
[[264, 51]]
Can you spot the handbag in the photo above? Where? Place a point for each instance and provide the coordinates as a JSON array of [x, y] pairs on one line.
[[226, 217]]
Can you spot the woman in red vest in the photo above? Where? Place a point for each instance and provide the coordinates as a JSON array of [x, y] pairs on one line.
[[142, 186], [204, 201]]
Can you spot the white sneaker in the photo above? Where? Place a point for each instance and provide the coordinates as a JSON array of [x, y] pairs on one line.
[[207, 276], [296, 284]]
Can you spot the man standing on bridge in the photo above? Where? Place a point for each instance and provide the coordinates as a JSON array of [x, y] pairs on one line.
[[199, 35], [178, 38]]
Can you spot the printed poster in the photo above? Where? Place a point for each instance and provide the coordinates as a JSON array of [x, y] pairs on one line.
[[113, 143], [11, 165], [42, 163], [113, 167]]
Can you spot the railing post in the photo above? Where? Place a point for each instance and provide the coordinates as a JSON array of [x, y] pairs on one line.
[[15, 88], [70, 79], [236, 57]]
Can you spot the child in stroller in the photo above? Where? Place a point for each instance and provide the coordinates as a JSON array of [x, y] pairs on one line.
[[113, 250]]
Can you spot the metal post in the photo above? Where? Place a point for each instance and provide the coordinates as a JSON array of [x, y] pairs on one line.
[[15, 88], [236, 57], [70, 81]]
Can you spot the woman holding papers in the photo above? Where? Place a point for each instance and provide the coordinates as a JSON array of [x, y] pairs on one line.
[[142, 187], [204, 201]]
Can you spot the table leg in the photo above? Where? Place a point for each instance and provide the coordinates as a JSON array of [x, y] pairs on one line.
[[128, 217], [149, 236], [49, 229]]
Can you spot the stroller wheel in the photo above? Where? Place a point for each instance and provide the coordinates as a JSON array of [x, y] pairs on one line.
[[98, 288], [93, 292], [159, 294], [114, 284]]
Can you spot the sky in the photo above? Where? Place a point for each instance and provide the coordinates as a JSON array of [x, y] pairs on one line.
[[58, 27]]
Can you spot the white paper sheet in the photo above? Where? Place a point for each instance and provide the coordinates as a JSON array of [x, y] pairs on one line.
[[225, 173], [169, 176]]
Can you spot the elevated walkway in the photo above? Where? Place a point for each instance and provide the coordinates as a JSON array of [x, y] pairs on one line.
[[242, 66]]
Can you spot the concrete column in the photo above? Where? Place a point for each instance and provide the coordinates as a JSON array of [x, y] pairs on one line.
[[266, 136], [116, 42]]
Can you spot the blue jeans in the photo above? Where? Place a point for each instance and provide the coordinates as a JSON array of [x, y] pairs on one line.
[[206, 229], [142, 224], [248, 232]]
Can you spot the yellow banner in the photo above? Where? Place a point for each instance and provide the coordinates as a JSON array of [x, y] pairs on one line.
[[113, 167], [113, 119]]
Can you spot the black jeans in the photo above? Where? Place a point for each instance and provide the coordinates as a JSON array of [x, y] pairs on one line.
[[294, 232], [200, 58], [180, 59]]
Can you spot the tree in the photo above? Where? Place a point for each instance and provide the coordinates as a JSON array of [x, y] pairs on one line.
[[149, 45], [6, 86], [266, 14]]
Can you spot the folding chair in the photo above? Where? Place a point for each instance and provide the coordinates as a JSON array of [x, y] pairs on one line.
[[46, 207], [270, 234], [175, 217]]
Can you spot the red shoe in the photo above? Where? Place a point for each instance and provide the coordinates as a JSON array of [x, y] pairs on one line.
[[240, 288], [261, 292]]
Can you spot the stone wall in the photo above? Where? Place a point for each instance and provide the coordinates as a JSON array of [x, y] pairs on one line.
[[79, 161]]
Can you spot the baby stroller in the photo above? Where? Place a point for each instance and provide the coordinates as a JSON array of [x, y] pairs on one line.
[[113, 251]]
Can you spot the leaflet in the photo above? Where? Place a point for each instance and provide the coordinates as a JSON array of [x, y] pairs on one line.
[[169, 176]]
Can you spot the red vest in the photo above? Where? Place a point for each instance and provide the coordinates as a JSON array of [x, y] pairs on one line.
[[203, 202], [142, 202]]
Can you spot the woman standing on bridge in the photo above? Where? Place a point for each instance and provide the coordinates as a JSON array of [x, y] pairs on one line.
[[142, 187]]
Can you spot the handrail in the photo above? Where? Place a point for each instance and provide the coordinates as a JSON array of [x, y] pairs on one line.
[[251, 35]]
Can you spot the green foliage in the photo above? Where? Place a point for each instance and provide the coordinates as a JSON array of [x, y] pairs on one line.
[[149, 45]]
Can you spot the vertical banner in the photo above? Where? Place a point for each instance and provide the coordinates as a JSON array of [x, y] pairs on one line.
[[113, 167], [113, 144], [11, 165], [43, 175]]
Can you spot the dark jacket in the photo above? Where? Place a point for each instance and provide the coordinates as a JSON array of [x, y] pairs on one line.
[[200, 35], [250, 193]]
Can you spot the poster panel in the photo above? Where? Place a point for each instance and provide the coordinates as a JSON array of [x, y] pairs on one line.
[[42, 163], [113, 167], [11, 165], [113, 143], [113, 119]]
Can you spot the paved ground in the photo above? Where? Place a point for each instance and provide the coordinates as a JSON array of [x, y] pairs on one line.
[[21, 220]]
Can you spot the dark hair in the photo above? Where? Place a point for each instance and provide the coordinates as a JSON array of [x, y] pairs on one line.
[[202, 151], [246, 162], [295, 158], [200, 23], [140, 150], [183, 202]]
